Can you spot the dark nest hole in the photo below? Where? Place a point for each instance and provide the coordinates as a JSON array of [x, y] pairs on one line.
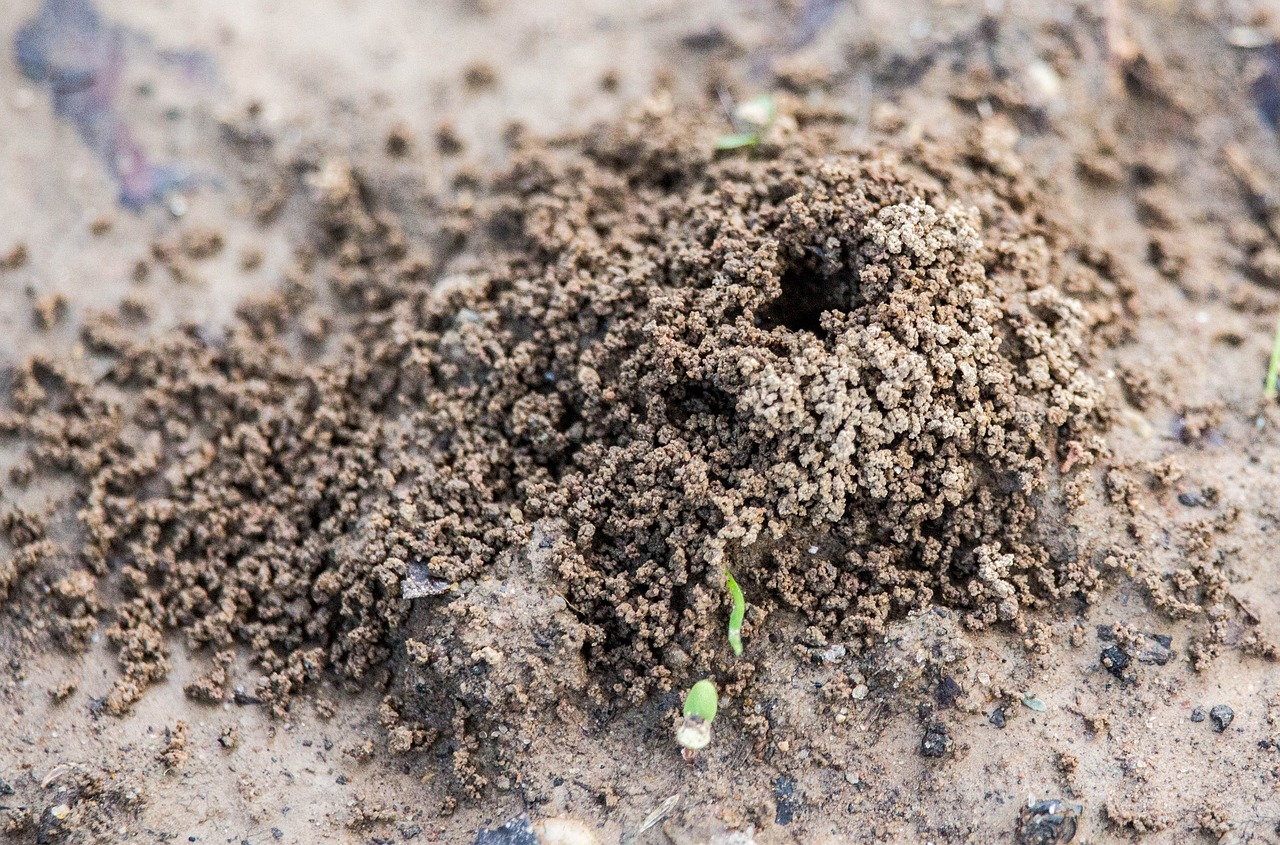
[[807, 293]]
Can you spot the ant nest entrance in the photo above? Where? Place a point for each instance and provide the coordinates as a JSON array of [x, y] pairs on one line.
[[843, 377]]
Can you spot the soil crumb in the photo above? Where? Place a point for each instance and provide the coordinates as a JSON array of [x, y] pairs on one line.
[[624, 366]]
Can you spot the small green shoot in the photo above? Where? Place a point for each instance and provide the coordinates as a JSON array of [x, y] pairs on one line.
[[694, 733], [751, 120], [1273, 369], [736, 615], [737, 140]]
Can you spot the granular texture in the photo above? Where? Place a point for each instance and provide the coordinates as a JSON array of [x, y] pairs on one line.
[[849, 378]]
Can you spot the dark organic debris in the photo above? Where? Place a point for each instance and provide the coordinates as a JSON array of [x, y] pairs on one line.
[[1049, 822], [518, 831], [82, 59], [949, 690], [1159, 653], [936, 741], [1221, 717], [1115, 660], [787, 799]]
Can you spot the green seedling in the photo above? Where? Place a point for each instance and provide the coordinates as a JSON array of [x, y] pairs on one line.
[[751, 120], [1273, 369], [737, 614], [694, 733]]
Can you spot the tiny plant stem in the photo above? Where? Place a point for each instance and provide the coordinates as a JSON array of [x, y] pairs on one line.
[[694, 732], [1273, 369], [737, 614]]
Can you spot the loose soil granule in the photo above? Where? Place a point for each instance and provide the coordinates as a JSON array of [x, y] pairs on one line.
[[632, 362]]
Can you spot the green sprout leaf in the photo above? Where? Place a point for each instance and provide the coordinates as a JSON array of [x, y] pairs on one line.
[[737, 140], [1273, 369], [694, 733], [702, 701], [737, 614]]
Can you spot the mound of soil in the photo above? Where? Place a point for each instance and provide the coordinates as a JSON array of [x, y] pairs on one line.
[[631, 363]]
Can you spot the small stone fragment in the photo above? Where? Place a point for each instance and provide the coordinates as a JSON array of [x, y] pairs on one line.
[[1197, 714], [997, 717], [1049, 822], [1115, 660], [518, 831], [949, 690], [936, 742], [1221, 717]]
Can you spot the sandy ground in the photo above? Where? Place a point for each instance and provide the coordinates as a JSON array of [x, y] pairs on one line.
[[336, 77]]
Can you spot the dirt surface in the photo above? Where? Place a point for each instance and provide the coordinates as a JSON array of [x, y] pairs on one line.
[[385, 400]]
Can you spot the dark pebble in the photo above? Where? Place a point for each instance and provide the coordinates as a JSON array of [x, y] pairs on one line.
[[1197, 714], [936, 742], [411, 831], [1164, 639], [1050, 822], [1157, 655], [1221, 717], [1191, 499], [997, 717], [948, 691], [5, 788], [277, 833], [1115, 660], [518, 831]]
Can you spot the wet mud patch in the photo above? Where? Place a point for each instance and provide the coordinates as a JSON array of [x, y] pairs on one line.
[[628, 364]]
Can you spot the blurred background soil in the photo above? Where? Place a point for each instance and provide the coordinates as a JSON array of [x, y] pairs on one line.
[[1150, 122]]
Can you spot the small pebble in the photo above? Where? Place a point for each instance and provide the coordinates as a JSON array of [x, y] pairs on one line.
[[1221, 717], [936, 742], [1115, 661], [997, 717], [1197, 714]]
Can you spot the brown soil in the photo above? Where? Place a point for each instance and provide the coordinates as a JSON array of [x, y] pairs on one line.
[[460, 487]]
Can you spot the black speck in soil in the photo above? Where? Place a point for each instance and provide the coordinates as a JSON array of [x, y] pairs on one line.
[[788, 800], [948, 691], [997, 717], [936, 741], [1221, 716], [1115, 660], [1158, 654], [1049, 822], [1197, 714], [518, 831]]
